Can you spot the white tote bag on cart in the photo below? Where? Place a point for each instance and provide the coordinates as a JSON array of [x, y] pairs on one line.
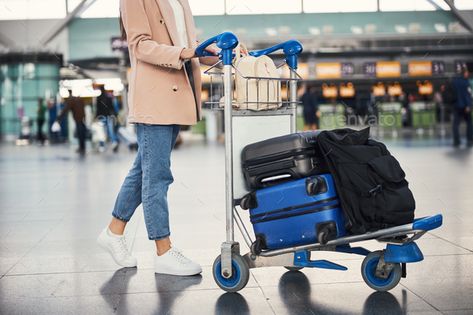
[[256, 94]]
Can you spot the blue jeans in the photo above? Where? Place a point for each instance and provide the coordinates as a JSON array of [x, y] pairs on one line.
[[148, 180]]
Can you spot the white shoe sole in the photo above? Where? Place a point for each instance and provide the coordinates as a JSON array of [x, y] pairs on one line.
[[177, 273], [104, 245]]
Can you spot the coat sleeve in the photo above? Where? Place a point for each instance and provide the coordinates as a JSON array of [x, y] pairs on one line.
[[139, 38]]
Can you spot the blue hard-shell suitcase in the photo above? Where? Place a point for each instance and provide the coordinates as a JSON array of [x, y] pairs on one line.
[[299, 212]]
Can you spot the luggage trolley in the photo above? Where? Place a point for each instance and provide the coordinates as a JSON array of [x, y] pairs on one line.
[[381, 270]]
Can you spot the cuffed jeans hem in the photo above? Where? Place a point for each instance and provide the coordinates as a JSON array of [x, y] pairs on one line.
[[159, 237], [119, 218]]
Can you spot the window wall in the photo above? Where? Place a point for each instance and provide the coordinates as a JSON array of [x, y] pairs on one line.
[[55, 9], [21, 84]]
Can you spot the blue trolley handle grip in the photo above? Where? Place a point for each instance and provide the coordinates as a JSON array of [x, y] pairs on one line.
[[226, 41], [292, 48]]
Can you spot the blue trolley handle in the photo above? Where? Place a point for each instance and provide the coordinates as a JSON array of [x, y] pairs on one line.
[[292, 48], [226, 41]]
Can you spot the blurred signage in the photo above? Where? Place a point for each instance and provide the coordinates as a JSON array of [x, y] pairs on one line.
[[420, 68], [328, 70], [460, 65], [438, 67], [369, 69], [118, 44], [348, 69], [388, 69]]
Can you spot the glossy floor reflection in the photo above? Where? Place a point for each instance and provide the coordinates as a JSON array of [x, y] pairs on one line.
[[53, 205]]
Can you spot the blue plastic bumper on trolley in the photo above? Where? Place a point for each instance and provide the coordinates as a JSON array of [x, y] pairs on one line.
[[291, 48], [226, 41]]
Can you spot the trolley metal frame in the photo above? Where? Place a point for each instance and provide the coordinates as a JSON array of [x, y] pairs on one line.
[[400, 248]]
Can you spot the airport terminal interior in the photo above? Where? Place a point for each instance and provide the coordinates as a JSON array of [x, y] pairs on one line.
[[401, 68]]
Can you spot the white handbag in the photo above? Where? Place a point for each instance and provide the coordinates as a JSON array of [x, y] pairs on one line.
[[252, 93]]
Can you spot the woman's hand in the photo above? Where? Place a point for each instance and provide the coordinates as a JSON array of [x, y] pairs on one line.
[[213, 49], [187, 53]]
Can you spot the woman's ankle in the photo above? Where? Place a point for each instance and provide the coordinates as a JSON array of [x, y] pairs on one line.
[[162, 246], [117, 226]]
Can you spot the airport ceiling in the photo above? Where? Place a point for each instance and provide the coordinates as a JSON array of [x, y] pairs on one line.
[[57, 9]]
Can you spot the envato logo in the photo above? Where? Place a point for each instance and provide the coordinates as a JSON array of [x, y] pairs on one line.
[[385, 119]]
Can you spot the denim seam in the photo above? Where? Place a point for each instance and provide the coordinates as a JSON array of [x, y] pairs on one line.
[[119, 217], [118, 211], [157, 238], [145, 186]]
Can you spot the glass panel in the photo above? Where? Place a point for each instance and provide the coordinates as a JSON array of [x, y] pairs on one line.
[[263, 6], [406, 5], [72, 4], [29, 89], [207, 7], [47, 71], [32, 9], [464, 4], [102, 8], [311, 6], [13, 9], [48, 88]]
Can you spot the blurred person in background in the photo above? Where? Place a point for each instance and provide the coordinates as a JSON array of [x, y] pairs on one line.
[[462, 111], [448, 99], [77, 107], [105, 112], [40, 119], [164, 92], [310, 106]]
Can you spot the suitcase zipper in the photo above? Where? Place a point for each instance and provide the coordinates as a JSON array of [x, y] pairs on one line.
[[335, 205], [310, 204], [268, 159]]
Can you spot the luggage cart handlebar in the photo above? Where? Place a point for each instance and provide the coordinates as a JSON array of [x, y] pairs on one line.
[[226, 41], [291, 48]]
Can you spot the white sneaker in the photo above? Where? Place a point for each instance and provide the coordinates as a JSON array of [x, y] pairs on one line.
[[116, 246], [173, 262]]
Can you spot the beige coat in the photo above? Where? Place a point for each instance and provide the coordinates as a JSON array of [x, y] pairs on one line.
[[159, 89]]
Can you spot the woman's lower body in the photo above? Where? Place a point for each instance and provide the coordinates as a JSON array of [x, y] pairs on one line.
[[147, 183]]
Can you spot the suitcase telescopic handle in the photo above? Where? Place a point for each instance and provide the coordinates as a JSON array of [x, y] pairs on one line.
[[226, 41], [292, 48]]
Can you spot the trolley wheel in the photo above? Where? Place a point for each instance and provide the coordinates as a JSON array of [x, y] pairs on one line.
[[294, 268], [240, 274], [368, 271]]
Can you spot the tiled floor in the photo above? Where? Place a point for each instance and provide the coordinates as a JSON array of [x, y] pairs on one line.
[[53, 205]]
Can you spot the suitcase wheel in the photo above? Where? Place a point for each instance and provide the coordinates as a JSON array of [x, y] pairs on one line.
[[380, 277], [240, 274], [258, 245], [326, 231], [245, 202], [248, 202], [315, 185]]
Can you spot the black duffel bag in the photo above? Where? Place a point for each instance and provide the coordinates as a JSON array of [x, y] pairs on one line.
[[370, 182]]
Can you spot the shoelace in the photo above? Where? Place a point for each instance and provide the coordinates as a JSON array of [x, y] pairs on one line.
[[179, 256], [121, 244]]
